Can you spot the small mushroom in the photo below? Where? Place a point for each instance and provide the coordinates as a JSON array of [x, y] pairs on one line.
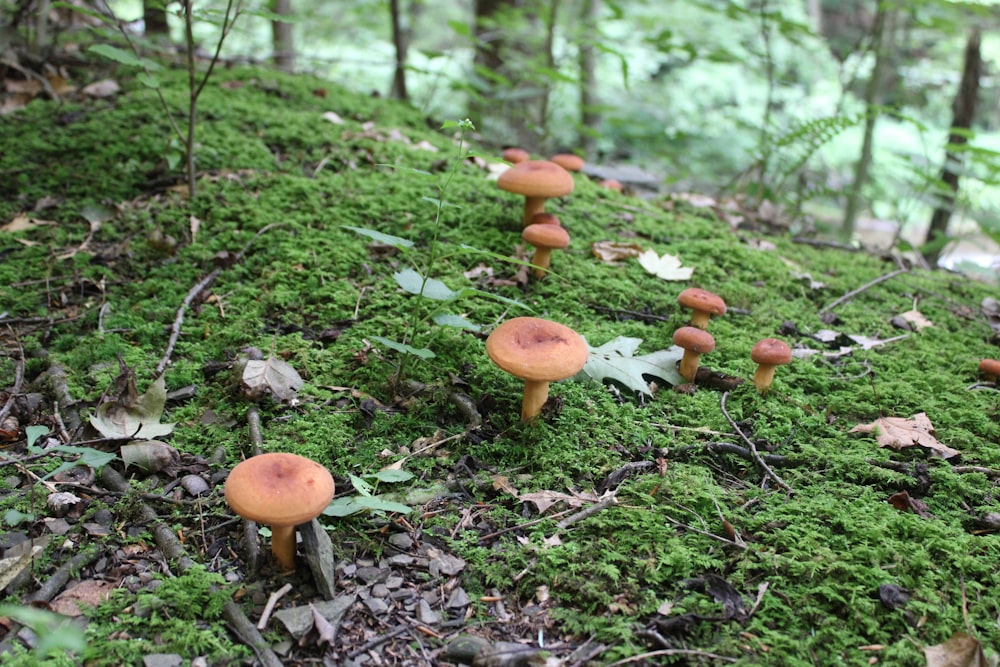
[[279, 490], [611, 184], [703, 305], [513, 154], [537, 180], [990, 368], [545, 219], [568, 161], [695, 342], [768, 354], [539, 352], [546, 238]]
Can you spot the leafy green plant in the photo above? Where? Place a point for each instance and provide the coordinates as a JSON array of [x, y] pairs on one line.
[[367, 497], [132, 57], [56, 633], [418, 281]]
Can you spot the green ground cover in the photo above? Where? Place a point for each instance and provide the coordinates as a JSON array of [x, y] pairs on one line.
[[807, 566]]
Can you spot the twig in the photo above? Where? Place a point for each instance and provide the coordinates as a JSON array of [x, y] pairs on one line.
[[753, 448], [607, 500], [725, 540], [733, 448], [375, 641], [174, 551], [671, 651], [265, 615], [62, 576], [853, 293], [203, 284], [486, 538], [992, 473], [18, 379]]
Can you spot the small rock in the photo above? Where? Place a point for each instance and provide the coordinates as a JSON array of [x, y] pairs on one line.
[[380, 591], [458, 598], [319, 555], [194, 484], [445, 564], [401, 541], [371, 575], [298, 620], [377, 606], [162, 660], [394, 582], [57, 526], [425, 614], [401, 560]]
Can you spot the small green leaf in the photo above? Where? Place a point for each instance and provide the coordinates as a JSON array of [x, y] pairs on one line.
[[388, 239], [123, 56], [432, 288], [13, 517], [390, 475], [33, 433], [341, 507], [457, 321], [421, 352], [361, 486], [381, 505]]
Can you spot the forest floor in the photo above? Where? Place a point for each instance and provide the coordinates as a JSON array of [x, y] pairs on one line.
[[639, 520]]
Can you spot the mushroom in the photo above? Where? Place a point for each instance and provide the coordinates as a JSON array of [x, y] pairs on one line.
[[990, 368], [279, 490], [537, 180], [768, 354], [703, 305], [546, 237], [539, 352], [513, 154], [695, 342], [568, 161], [611, 184], [545, 219]]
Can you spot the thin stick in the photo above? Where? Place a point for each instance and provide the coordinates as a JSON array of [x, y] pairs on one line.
[[18, 379], [753, 448], [853, 293], [720, 538], [607, 500], [203, 284], [271, 602], [671, 651]]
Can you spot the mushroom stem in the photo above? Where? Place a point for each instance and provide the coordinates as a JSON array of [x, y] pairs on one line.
[[536, 392], [689, 365], [700, 318], [283, 546], [532, 205], [764, 376], [541, 260]]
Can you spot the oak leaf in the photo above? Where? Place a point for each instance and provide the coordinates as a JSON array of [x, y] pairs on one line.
[[615, 360], [900, 433]]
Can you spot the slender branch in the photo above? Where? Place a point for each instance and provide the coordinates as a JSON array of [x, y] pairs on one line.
[[753, 448], [18, 380], [853, 293]]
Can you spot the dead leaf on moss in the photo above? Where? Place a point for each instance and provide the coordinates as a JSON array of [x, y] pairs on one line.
[[271, 376], [88, 593], [916, 319], [543, 500], [667, 267], [130, 415], [615, 251], [959, 651], [22, 223], [615, 360], [899, 433]]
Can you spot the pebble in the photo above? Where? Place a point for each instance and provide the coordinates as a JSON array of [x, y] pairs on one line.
[[401, 541]]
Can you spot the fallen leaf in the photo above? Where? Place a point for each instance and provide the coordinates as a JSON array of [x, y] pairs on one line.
[[89, 593], [129, 415], [917, 319], [22, 222], [543, 500], [667, 267], [959, 651], [333, 118], [615, 251], [615, 360], [905, 503], [102, 88], [899, 433], [271, 376]]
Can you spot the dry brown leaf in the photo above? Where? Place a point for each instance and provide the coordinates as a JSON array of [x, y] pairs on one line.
[[543, 500], [615, 251], [959, 651], [899, 433], [89, 592], [917, 319], [21, 223], [102, 88]]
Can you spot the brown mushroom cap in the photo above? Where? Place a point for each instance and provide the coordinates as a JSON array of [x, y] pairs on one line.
[[694, 339], [537, 350], [990, 368], [514, 155], [279, 489], [568, 161], [702, 301], [536, 178], [772, 352], [545, 235], [612, 184]]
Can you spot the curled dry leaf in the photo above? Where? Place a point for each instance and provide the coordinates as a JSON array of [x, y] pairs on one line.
[[130, 415], [615, 251], [899, 433], [960, 650], [272, 376]]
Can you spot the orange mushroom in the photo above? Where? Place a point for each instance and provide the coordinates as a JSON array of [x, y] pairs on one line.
[[990, 368], [513, 154], [279, 490], [546, 237], [539, 352], [568, 161], [695, 342], [537, 180], [768, 354], [703, 305]]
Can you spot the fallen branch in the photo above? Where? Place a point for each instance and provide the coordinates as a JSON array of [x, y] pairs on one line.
[[853, 293], [733, 448], [194, 292], [174, 550], [671, 651], [753, 448], [607, 500], [18, 381]]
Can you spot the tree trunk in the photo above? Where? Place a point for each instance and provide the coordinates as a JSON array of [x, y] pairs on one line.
[[401, 35], [815, 9], [283, 36], [154, 17], [963, 110], [590, 12], [872, 95], [550, 61]]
